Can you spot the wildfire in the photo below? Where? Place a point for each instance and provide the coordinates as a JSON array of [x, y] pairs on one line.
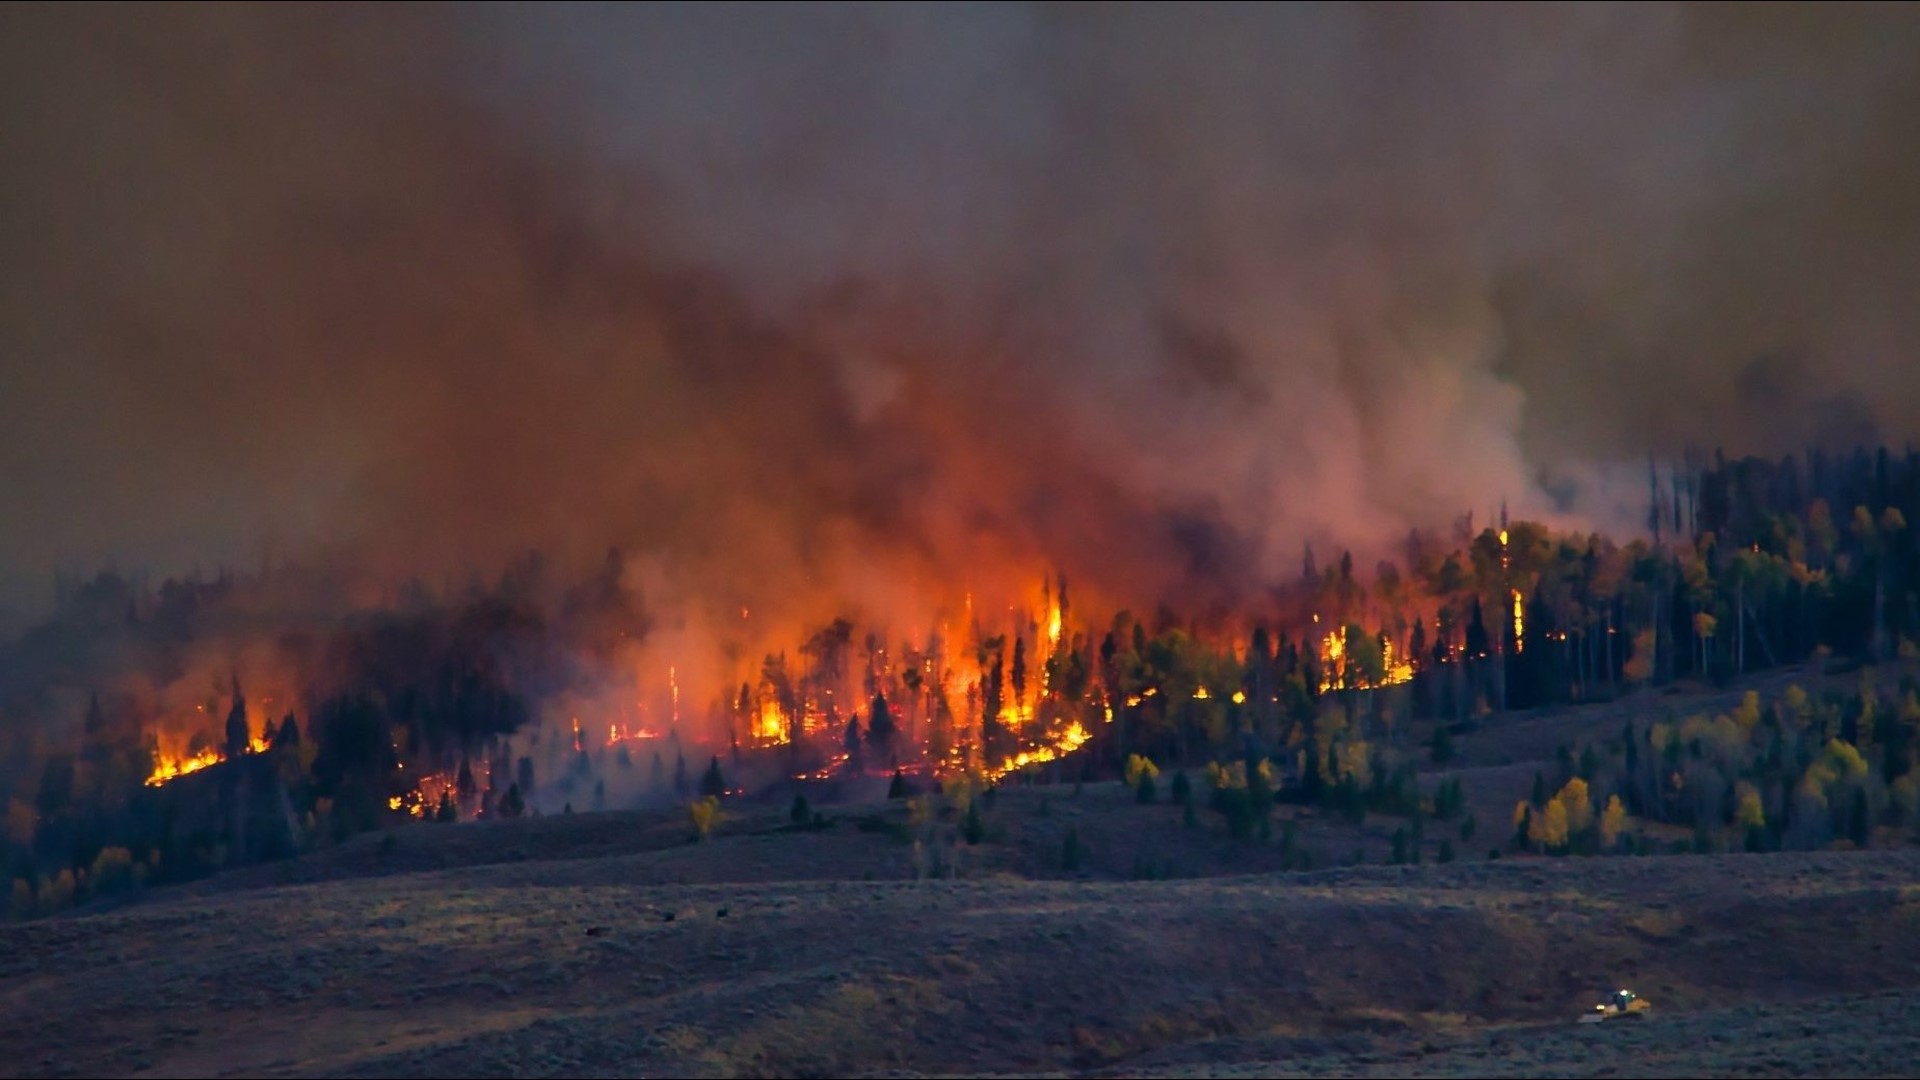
[[424, 800], [1519, 624], [169, 767], [1072, 738], [1338, 672], [770, 725], [825, 772], [616, 733]]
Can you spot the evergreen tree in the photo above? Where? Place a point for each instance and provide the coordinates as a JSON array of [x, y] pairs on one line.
[[1860, 821], [881, 727], [972, 830], [238, 737], [712, 784], [511, 804], [1071, 851]]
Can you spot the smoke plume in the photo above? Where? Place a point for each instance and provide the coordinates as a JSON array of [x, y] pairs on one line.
[[829, 309]]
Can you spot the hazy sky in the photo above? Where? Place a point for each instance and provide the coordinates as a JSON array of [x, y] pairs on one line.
[[827, 305]]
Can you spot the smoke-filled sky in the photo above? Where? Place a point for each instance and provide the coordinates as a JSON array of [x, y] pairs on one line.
[[825, 306]]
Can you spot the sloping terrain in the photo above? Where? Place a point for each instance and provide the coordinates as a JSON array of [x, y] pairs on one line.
[[1088, 934], [570, 967]]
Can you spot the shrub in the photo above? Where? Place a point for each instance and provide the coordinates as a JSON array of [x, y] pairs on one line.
[[1071, 851], [972, 830], [712, 784], [1141, 773], [704, 812], [512, 804]]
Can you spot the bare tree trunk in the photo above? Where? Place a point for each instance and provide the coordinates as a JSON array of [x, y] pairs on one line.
[[1612, 687], [1740, 630]]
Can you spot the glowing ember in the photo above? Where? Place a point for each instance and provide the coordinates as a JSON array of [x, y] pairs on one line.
[[1519, 624], [618, 733], [1071, 738]]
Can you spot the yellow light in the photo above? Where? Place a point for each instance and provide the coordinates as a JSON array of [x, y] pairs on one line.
[[1519, 624]]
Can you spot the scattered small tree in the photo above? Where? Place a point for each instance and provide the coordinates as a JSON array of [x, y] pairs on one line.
[[1181, 788], [800, 813], [511, 804], [972, 829], [1613, 823], [712, 784], [704, 812], [897, 789], [1141, 773], [1071, 851]]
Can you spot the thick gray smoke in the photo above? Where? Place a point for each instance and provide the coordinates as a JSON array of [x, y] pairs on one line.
[[818, 308]]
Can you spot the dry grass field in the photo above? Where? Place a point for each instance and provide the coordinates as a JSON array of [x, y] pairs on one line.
[[612, 945]]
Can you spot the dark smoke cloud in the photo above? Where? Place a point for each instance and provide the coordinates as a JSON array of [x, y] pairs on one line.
[[846, 307]]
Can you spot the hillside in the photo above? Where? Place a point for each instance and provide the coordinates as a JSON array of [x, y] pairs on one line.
[[613, 944]]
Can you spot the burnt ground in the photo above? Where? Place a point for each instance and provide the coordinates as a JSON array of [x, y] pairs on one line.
[[609, 944]]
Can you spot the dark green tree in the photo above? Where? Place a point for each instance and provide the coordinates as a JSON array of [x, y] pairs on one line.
[[238, 736], [511, 804], [881, 727], [972, 830]]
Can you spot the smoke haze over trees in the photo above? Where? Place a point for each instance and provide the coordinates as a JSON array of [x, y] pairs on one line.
[[806, 309], [726, 371]]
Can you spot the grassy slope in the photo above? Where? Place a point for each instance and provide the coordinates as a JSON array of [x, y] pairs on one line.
[[544, 947]]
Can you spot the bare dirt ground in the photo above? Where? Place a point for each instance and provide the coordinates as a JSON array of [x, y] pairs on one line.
[[610, 945]]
